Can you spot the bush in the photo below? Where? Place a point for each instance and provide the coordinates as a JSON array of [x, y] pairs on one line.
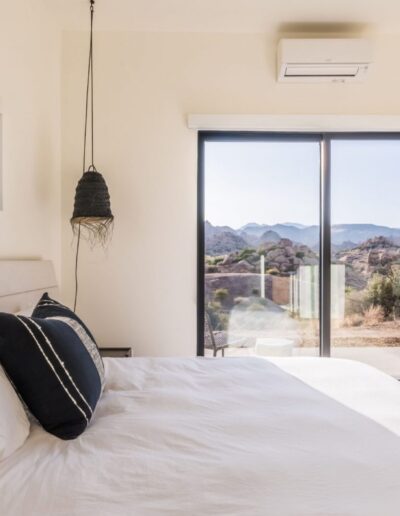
[[214, 260], [356, 302], [380, 294], [374, 315], [395, 278], [353, 320], [218, 259], [223, 321], [218, 318], [211, 269], [221, 294], [212, 310], [244, 254], [273, 272], [300, 255]]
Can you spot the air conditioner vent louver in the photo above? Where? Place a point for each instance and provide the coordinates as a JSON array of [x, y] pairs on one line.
[[326, 60]]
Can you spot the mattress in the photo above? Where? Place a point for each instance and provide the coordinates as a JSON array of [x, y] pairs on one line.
[[233, 436]]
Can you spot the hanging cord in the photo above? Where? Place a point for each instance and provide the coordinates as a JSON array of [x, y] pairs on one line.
[[76, 267], [92, 167], [89, 88], [91, 75]]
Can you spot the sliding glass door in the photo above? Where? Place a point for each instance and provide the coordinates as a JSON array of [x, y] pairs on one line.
[[365, 178], [299, 246], [261, 245]]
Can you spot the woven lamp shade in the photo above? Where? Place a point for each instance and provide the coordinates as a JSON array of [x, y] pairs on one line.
[[92, 209]]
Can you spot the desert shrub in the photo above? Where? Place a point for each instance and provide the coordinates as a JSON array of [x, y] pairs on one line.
[[355, 302], [395, 278], [221, 294], [380, 293], [212, 310], [218, 318], [211, 269], [223, 320], [374, 315], [218, 259], [214, 260], [374, 289], [353, 320], [244, 254]]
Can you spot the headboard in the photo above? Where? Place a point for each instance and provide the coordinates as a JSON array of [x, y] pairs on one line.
[[22, 282]]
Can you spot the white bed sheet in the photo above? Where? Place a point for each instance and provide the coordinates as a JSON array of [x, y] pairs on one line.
[[233, 436]]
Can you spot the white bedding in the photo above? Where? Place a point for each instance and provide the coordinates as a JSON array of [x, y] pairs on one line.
[[233, 436]]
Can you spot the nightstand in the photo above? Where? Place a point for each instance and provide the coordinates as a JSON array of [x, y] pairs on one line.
[[115, 352]]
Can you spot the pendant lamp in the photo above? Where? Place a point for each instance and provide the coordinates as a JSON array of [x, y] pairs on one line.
[[92, 218]]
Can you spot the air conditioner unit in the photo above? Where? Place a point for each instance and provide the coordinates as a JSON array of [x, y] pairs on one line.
[[323, 60]]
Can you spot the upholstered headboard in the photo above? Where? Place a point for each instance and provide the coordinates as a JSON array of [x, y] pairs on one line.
[[22, 282]]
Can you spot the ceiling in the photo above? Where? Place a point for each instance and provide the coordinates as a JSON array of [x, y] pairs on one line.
[[265, 16]]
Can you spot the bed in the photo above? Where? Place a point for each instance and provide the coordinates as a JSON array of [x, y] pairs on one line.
[[232, 436], [212, 436]]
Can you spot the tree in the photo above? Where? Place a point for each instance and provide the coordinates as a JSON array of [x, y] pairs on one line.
[[380, 293]]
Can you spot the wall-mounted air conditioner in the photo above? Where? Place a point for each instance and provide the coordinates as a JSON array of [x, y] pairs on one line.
[[323, 60]]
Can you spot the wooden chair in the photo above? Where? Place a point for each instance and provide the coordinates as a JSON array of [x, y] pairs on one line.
[[215, 340]]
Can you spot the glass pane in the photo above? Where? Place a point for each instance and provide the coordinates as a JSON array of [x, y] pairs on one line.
[[366, 252], [261, 248]]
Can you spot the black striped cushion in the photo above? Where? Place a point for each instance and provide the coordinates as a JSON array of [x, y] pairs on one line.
[[55, 366], [48, 307]]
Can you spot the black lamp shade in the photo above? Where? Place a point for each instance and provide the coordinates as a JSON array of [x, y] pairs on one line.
[[92, 198]]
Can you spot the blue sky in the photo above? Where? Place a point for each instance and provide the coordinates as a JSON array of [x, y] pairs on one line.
[[271, 182]]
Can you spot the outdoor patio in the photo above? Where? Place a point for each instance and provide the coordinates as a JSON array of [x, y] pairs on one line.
[[385, 358]]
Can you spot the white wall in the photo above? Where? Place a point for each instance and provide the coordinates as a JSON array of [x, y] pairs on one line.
[[142, 291], [30, 50]]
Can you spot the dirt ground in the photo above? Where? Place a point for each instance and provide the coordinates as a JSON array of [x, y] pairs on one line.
[[383, 334]]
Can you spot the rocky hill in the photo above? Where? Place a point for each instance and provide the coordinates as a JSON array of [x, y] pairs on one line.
[[282, 257], [269, 236], [224, 239], [376, 255]]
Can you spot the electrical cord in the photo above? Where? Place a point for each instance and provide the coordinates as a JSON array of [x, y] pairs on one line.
[[92, 167]]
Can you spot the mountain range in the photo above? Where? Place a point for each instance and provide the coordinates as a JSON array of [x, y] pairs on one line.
[[224, 239]]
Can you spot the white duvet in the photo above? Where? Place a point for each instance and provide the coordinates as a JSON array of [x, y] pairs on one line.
[[233, 436]]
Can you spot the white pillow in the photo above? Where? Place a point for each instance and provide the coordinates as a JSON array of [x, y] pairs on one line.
[[14, 423]]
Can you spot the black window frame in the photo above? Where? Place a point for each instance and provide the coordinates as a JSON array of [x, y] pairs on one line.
[[324, 139]]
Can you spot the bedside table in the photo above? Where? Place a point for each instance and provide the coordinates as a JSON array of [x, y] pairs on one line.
[[115, 352]]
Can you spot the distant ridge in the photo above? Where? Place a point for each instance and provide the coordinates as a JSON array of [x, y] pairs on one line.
[[224, 239]]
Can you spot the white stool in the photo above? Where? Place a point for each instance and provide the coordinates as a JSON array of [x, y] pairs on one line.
[[270, 347]]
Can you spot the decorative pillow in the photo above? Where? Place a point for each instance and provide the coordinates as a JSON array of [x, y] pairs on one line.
[[47, 307], [14, 424], [55, 366]]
